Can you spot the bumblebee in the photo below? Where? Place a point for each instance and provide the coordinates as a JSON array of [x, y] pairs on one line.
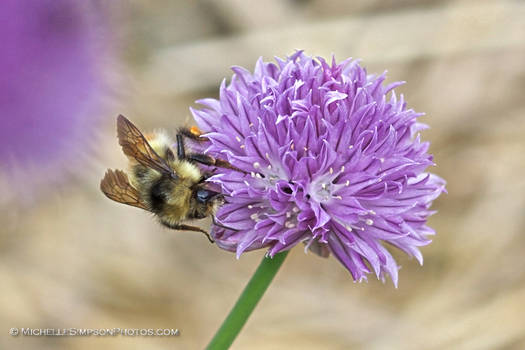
[[173, 188]]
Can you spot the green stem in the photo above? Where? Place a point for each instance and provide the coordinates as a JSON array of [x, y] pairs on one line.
[[249, 298]]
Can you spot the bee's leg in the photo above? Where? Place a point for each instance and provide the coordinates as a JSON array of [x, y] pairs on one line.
[[211, 161], [183, 227], [194, 134], [181, 152]]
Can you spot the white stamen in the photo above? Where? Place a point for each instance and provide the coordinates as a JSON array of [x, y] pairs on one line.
[[349, 229], [256, 165], [372, 212], [238, 138], [323, 186], [351, 146], [267, 156], [292, 146], [342, 168], [295, 209], [347, 183], [331, 170], [250, 206], [242, 146], [250, 125], [382, 160], [254, 216], [289, 224], [257, 175], [252, 174], [338, 197], [246, 183], [369, 222], [288, 214], [305, 149], [269, 166]]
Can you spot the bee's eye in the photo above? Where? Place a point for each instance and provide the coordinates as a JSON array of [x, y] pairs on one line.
[[204, 196]]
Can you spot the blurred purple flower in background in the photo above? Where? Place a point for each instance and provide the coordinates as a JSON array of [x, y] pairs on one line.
[[50, 79], [335, 159]]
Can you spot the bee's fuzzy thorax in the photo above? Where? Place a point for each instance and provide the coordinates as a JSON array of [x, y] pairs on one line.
[[159, 140], [187, 170]]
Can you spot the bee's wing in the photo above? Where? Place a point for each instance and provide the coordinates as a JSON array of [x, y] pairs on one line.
[[116, 186], [135, 145]]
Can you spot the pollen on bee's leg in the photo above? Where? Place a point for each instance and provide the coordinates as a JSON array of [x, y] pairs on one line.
[[195, 131]]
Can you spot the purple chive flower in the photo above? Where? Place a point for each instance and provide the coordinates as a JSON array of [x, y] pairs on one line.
[[334, 160]]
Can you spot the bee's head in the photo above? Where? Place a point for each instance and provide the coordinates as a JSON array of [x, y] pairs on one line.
[[205, 202]]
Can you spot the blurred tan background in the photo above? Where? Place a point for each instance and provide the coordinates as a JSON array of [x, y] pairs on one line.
[[72, 258]]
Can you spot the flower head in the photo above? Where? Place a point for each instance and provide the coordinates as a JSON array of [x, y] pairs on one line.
[[334, 161]]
